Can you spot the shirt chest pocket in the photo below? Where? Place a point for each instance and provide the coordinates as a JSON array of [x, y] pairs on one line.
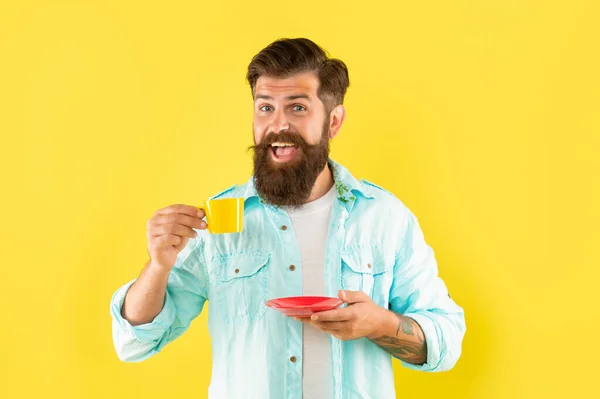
[[241, 286], [367, 270]]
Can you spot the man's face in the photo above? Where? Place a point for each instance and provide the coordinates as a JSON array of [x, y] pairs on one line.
[[291, 138]]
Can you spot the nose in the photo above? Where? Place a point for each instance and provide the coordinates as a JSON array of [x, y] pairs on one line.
[[279, 122]]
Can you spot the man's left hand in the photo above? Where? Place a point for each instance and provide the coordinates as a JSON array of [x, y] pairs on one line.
[[361, 318]]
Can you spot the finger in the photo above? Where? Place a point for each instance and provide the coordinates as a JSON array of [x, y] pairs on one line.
[[303, 319], [178, 208], [166, 240], [343, 314], [332, 332], [323, 328], [173, 229], [189, 221], [353, 296], [332, 325]]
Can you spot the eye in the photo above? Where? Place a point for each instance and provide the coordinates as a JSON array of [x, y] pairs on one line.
[[298, 108], [265, 108]]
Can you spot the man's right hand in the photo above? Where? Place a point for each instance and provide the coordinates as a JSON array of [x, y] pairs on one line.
[[169, 230]]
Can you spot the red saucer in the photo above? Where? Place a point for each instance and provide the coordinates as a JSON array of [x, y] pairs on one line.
[[303, 306]]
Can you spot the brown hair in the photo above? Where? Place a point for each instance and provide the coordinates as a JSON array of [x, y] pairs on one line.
[[287, 57]]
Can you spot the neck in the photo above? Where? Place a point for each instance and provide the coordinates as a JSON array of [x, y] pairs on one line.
[[322, 185]]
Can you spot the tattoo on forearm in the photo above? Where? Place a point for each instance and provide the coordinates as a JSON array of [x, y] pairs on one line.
[[406, 324], [412, 349]]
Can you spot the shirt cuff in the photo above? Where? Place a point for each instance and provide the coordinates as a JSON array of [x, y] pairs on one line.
[[144, 332], [431, 331]]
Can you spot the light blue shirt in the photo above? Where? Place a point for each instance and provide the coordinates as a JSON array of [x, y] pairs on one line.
[[374, 245]]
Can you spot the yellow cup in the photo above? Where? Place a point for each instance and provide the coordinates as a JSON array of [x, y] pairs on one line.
[[224, 215]]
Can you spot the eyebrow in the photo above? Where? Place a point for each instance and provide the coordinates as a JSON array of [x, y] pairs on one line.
[[294, 97]]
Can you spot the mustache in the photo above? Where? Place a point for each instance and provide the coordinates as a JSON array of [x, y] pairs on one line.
[[283, 136]]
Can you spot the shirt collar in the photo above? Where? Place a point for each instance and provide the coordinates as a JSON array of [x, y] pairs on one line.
[[347, 186]]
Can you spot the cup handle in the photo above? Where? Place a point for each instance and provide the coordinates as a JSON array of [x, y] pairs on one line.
[[202, 206]]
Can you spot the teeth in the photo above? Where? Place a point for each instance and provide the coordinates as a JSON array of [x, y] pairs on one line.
[[278, 144]]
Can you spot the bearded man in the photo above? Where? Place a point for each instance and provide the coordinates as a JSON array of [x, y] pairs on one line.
[[310, 229]]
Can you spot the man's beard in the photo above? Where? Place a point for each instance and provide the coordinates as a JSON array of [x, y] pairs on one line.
[[289, 183]]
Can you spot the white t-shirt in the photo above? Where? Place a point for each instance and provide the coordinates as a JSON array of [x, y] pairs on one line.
[[311, 225]]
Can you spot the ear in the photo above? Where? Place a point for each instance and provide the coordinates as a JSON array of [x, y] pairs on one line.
[[336, 119]]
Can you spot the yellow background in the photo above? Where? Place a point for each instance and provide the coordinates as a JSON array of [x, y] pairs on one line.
[[482, 116]]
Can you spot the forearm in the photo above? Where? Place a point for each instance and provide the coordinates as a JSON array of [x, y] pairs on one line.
[[403, 338], [145, 298]]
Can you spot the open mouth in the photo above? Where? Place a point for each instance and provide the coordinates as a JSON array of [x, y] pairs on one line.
[[282, 151]]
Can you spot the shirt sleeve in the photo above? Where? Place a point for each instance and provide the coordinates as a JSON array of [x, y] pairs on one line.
[[184, 300], [419, 293]]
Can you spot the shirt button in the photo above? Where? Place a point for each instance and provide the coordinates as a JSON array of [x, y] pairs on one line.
[[292, 267], [293, 359], [237, 270], [284, 227], [369, 265]]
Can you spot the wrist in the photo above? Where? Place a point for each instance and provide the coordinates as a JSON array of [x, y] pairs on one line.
[[158, 269], [386, 325]]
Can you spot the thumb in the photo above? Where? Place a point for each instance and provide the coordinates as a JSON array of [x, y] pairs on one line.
[[352, 296], [182, 244]]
